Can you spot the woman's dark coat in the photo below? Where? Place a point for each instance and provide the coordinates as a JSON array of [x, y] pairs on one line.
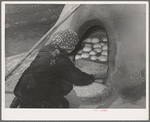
[[48, 79]]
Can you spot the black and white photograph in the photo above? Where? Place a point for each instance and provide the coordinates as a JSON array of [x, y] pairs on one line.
[[73, 60]]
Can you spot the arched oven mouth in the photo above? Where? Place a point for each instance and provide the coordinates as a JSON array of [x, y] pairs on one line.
[[91, 54]]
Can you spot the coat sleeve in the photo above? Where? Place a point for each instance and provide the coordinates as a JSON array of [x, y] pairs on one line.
[[72, 74]]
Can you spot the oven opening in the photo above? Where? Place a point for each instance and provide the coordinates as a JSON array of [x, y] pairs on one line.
[[92, 52]]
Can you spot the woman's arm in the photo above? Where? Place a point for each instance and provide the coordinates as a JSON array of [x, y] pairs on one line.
[[72, 74]]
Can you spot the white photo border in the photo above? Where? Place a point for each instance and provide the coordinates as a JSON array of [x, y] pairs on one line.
[[72, 114]]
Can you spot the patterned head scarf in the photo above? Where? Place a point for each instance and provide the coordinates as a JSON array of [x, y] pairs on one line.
[[66, 40]]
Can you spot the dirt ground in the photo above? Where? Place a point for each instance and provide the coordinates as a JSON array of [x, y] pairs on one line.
[[27, 24]]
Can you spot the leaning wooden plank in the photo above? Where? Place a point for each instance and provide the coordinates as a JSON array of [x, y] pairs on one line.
[[13, 79]]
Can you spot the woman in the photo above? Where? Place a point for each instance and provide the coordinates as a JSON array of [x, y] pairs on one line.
[[51, 75]]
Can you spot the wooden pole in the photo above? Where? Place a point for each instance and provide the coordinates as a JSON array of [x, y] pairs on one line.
[[50, 32]]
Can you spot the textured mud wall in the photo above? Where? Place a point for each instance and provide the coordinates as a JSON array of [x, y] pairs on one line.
[[126, 28]]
